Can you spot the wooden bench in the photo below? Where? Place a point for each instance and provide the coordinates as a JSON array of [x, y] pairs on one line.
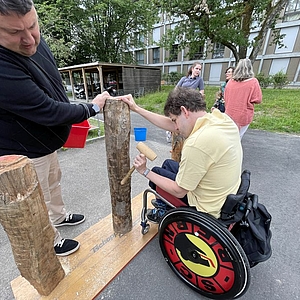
[[94, 265]]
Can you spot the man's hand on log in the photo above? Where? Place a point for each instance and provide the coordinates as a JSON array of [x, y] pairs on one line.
[[101, 98]]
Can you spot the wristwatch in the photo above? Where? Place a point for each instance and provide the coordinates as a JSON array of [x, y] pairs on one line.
[[146, 172], [96, 108]]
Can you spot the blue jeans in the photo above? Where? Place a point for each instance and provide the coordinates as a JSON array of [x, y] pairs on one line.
[[169, 169]]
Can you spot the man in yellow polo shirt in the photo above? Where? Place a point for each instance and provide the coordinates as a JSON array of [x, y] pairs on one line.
[[211, 162]]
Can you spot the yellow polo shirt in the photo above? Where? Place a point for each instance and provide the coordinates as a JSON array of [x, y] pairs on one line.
[[211, 162]]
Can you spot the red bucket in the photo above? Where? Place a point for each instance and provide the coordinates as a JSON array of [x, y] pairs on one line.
[[78, 135]]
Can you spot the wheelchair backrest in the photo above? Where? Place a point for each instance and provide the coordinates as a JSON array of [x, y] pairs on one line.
[[235, 205]]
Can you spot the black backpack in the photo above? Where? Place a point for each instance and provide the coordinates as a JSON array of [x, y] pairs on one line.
[[254, 234], [251, 222]]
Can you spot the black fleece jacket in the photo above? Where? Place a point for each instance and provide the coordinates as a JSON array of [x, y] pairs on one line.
[[35, 113]]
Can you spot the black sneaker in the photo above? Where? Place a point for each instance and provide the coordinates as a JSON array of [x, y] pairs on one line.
[[155, 215], [66, 247], [71, 219]]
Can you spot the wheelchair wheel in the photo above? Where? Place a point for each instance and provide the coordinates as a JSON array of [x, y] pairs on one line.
[[204, 254]]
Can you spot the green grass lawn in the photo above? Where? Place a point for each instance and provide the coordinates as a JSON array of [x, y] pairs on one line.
[[278, 112], [97, 128]]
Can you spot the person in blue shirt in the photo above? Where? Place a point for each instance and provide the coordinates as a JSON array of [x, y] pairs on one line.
[[193, 79]]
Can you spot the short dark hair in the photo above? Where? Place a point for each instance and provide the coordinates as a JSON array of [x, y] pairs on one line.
[[191, 99], [19, 7], [232, 68]]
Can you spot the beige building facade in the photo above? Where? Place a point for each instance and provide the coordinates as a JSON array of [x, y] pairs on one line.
[[215, 58]]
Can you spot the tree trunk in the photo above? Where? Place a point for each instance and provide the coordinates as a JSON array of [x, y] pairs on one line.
[[24, 217], [177, 144], [117, 140]]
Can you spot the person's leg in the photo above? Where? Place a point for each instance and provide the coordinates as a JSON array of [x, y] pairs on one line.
[[57, 237], [49, 175], [243, 129], [168, 169], [42, 168], [171, 165]]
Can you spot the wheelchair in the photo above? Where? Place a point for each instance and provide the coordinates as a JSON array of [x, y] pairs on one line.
[[200, 249]]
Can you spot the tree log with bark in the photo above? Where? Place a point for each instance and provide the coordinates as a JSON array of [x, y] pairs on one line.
[[117, 140], [24, 217]]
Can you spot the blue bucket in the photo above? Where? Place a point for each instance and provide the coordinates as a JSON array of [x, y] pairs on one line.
[[140, 134]]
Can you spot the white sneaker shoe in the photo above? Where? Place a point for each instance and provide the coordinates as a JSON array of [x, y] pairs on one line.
[[169, 136]]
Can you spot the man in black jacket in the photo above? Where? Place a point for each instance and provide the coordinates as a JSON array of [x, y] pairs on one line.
[[35, 113]]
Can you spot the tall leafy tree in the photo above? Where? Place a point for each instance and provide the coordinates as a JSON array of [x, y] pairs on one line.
[[228, 22], [58, 20], [82, 31], [111, 25]]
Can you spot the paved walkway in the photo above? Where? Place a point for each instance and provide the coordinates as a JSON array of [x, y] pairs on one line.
[[273, 159]]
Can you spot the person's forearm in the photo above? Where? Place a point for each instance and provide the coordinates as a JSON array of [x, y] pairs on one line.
[[156, 119], [167, 184]]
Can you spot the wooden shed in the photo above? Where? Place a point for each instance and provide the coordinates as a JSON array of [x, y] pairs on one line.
[[87, 80]]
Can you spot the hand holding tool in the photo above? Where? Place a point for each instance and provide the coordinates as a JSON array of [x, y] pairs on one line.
[[144, 149]]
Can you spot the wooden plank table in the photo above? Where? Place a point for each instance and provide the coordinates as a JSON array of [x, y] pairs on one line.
[[101, 256]]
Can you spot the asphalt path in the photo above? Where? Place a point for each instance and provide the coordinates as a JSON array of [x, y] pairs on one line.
[[274, 162]]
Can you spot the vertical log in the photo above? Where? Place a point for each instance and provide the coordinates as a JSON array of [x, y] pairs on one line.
[[24, 217], [177, 144], [117, 141]]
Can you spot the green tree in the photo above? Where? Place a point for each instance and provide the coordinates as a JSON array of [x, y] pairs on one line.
[[82, 31], [58, 21], [227, 22]]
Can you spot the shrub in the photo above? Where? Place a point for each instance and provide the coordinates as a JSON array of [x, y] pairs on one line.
[[279, 80], [264, 81], [172, 77]]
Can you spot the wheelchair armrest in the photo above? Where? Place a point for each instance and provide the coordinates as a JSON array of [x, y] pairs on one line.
[[230, 206]]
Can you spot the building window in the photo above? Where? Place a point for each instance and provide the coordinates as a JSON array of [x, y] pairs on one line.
[[172, 69], [292, 11], [289, 39], [138, 40], [174, 53], [156, 55], [140, 57], [199, 54], [156, 35], [218, 50], [141, 38]]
